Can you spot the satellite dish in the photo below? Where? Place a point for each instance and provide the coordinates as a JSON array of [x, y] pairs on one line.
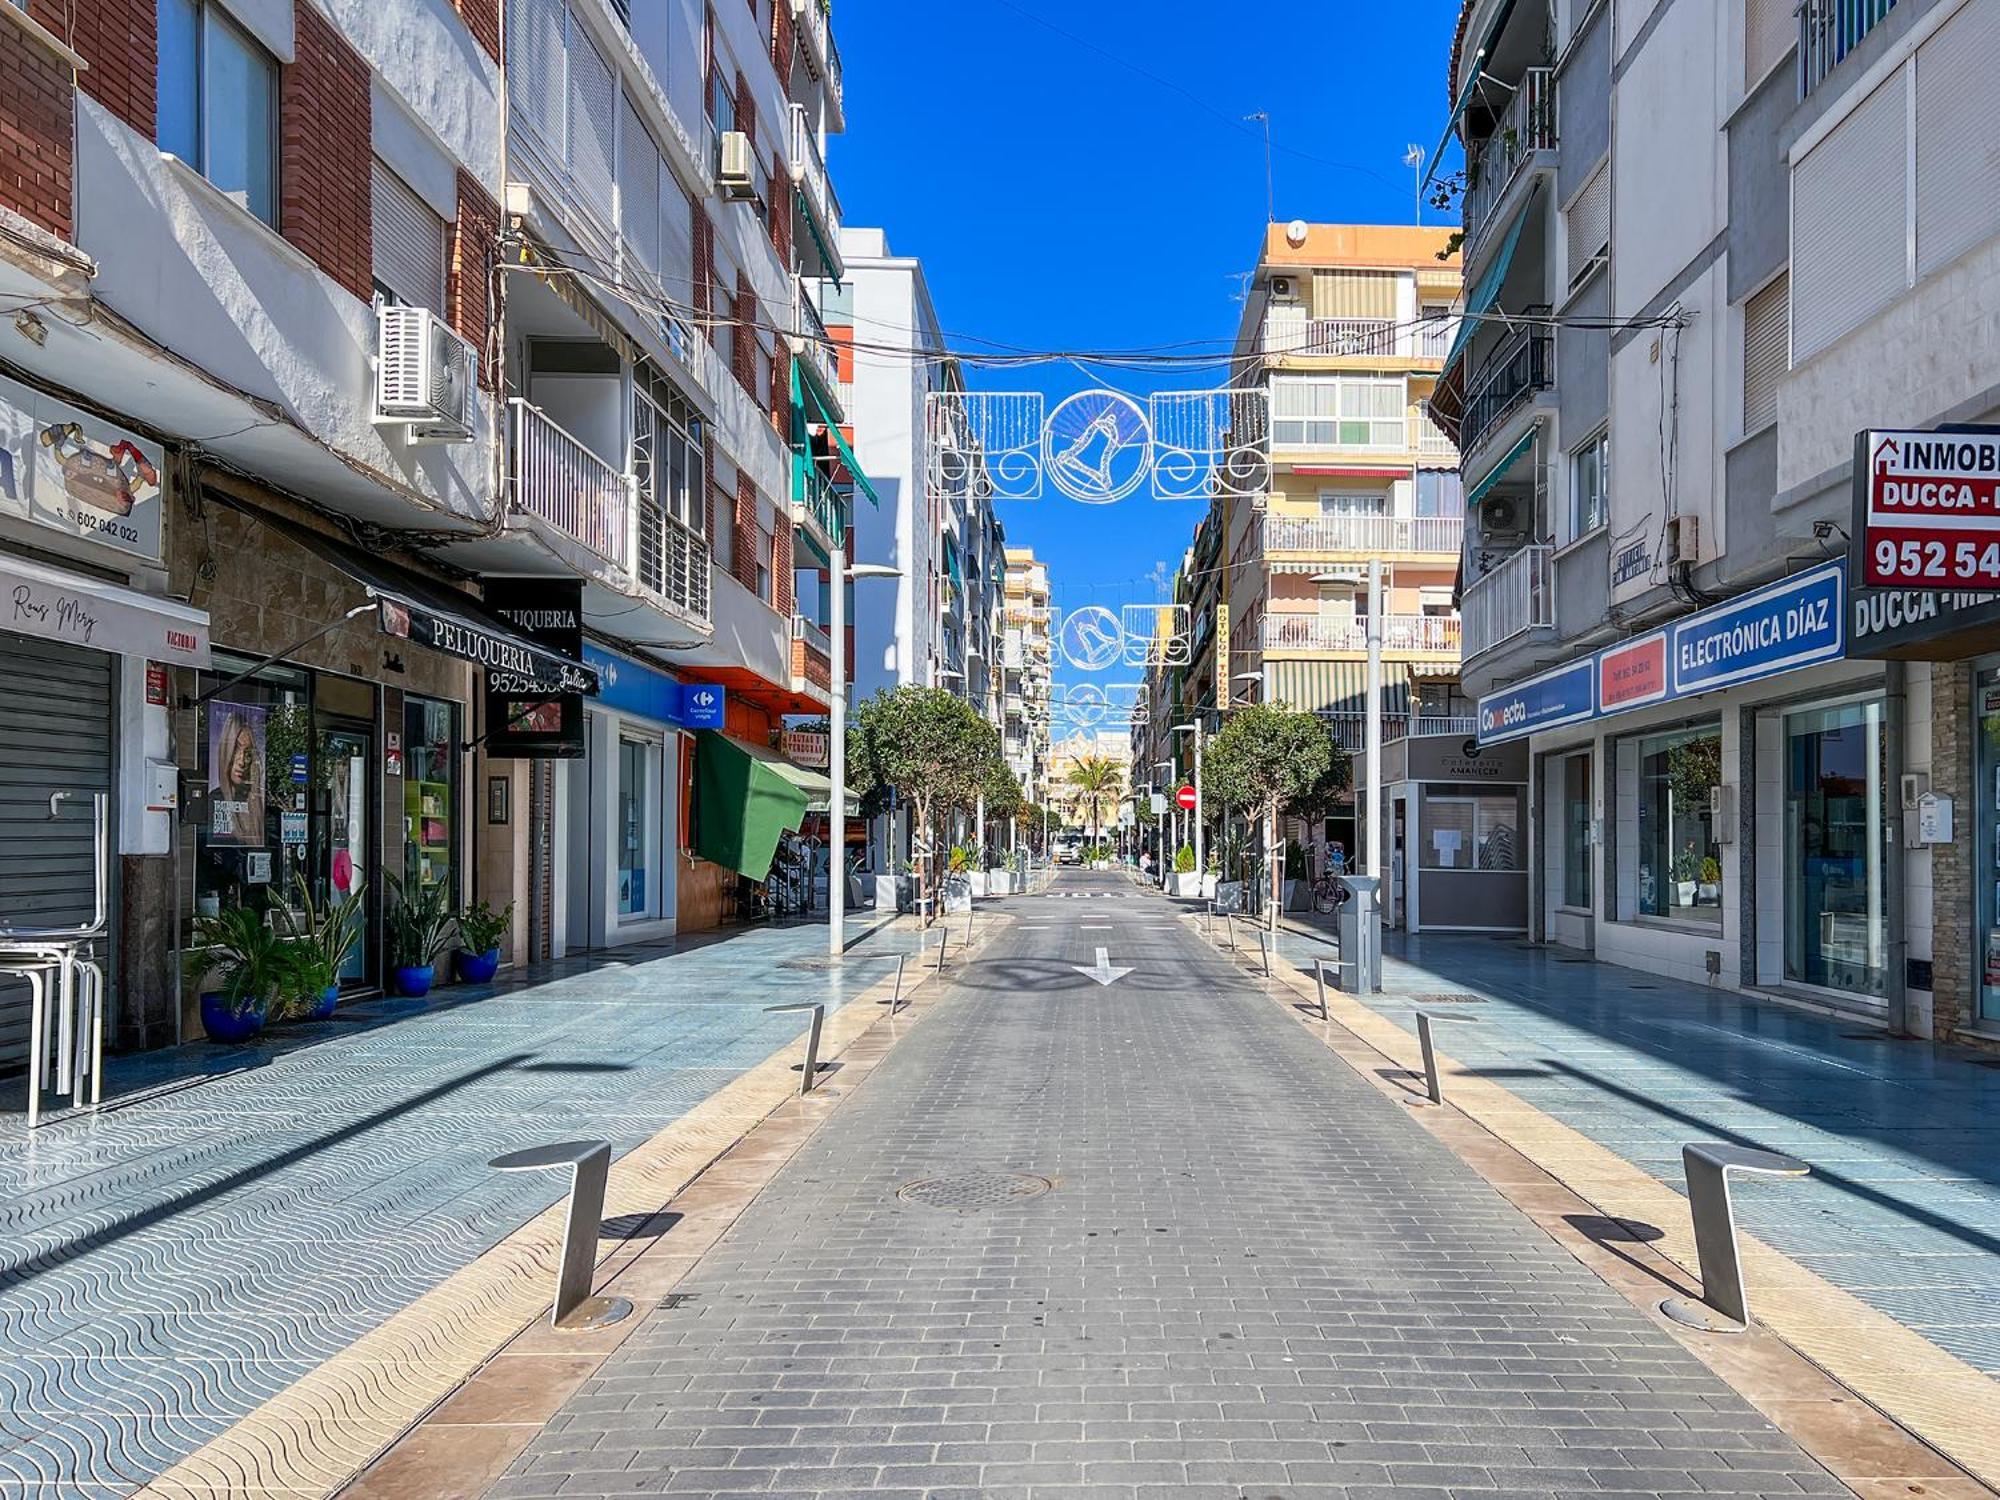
[[1295, 233]]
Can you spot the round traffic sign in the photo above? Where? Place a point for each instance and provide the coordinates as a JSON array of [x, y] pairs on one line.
[[1185, 796]]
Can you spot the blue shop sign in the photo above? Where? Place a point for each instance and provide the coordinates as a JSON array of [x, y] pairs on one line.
[[646, 692], [1795, 623], [1568, 695]]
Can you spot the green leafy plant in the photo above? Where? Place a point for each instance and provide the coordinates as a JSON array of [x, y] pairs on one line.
[[304, 977], [1184, 860], [960, 859], [238, 951], [420, 923], [1686, 863], [480, 927], [1295, 862], [1711, 871], [333, 928]]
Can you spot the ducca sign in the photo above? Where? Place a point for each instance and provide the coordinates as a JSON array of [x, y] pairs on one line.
[[1927, 508]]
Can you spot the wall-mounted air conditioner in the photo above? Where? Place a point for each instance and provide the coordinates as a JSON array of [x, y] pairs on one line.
[[736, 174], [423, 375]]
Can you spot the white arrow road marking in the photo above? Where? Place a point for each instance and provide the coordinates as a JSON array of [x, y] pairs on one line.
[[1102, 971]]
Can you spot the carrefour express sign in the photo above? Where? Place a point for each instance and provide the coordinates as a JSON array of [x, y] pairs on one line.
[[1797, 622]]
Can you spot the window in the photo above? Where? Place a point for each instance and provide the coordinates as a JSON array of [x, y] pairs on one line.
[[1590, 485], [1436, 332], [1470, 833], [1342, 503], [1766, 334], [1836, 837], [638, 821], [409, 243], [1679, 859], [1587, 224], [218, 103], [430, 790], [1340, 413], [1440, 492], [1576, 832]]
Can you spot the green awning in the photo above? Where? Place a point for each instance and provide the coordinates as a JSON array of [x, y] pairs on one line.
[[1493, 475], [826, 256], [1336, 686], [1487, 292], [1465, 94], [817, 788], [741, 806], [839, 439]]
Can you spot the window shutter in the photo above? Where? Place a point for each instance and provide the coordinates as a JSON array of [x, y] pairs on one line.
[[593, 126], [535, 65], [1587, 224], [1354, 294], [1958, 138], [1850, 222], [1766, 322], [409, 240], [1769, 29], [639, 169]]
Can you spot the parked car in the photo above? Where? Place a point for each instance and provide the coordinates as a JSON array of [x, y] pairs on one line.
[[1069, 848]]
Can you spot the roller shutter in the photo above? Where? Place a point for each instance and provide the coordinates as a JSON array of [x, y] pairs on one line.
[[55, 735]]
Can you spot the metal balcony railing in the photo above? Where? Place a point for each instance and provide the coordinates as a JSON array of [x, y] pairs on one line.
[[1829, 30], [673, 559], [815, 23], [1289, 332], [1528, 126], [1428, 635], [814, 344], [558, 478], [1516, 596], [821, 503], [809, 171], [1350, 730], [1442, 534], [1523, 365], [1429, 440], [813, 635]]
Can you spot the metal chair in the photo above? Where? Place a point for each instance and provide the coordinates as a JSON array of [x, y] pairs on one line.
[[69, 954]]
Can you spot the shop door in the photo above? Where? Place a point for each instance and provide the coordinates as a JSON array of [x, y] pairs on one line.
[[55, 735], [344, 842]]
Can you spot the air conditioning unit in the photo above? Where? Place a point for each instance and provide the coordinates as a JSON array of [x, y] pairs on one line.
[[1501, 517], [735, 175], [1684, 539], [1283, 288], [423, 375]]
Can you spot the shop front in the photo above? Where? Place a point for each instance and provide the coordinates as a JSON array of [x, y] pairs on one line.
[[1455, 812]]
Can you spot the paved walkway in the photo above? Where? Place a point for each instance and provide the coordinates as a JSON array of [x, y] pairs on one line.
[[1903, 1207], [1150, 1240], [242, 1215]]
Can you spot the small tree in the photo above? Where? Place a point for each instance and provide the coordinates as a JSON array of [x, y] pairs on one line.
[[1322, 799], [1004, 799], [1099, 782], [1266, 758], [932, 748]]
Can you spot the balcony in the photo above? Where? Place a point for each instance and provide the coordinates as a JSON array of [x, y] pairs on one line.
[[819, 505], [1522, 366], [1289, 333], [1528, 127], [1365, 534], [1350, 730], [814, 347], [1434, 449], [1517, 596], [1829, 30], [815, 22], [1402, 635], [557, 479], [816, 190], [812, 657]]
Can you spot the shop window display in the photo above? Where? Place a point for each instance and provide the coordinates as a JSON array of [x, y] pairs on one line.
[[1679, 857], [430, 790]]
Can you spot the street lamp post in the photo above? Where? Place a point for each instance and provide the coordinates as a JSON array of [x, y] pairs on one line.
[[1375, 723], [1172, 826], [1194, 728], [838, 573]]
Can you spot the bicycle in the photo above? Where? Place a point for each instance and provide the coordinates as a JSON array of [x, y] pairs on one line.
[[1329, 892]]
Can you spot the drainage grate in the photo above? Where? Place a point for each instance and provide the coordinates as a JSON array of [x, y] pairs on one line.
[[811, 965], [970, 1192], [1457, 997]]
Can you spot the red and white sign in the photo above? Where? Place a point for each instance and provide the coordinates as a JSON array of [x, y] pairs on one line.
[[1928, 509], [1185, 796], [1633, 674]]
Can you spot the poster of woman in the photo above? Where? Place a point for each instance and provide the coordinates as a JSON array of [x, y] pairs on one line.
[[236, 773]]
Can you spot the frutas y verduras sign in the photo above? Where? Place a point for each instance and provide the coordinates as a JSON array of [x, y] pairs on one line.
[[1927, 508]]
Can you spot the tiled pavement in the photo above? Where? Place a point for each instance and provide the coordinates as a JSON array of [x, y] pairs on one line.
[[1903, 1207], [242, 1214], [1251, 1275]]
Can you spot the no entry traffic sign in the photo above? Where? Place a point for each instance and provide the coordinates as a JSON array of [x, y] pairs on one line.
[[1185, 796]]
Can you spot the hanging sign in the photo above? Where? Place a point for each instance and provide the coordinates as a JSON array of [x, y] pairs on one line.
[[1927, 508], [527, 717], [63, 468], [806, 747]]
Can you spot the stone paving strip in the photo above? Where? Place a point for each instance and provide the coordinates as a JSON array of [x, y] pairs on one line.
[[1949, 1405], [312, 1438], [1137, 1243]]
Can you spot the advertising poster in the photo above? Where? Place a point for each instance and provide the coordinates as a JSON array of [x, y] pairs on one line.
[[236, 773], [71, 471]]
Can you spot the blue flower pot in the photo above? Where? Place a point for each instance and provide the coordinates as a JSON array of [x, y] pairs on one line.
[[477, 968], [327, 1001], [225, 1023], [415, 980]]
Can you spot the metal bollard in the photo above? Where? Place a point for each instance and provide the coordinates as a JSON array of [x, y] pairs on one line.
[[1433, 1083], [812, 1039], [1724, 1306], [1264, 942], [895, 1001], [589, 1162], [1319, 978], [944, 939]]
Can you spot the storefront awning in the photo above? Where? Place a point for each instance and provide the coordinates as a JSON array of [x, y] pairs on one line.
[[816, 786], [742, 806], [1336, 687], [53, 604], [414, 608], [1487, 291], [1498, 472]]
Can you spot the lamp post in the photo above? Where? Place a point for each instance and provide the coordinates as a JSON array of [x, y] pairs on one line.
[[1194, 728], [838, 573]]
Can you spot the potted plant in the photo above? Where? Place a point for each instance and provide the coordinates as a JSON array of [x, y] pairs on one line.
[[420, 925], [238, 963], [480, 929], [1186, 881], [1211, 876], [308, 984], [1687, 867], [325, 937], [1709, 890]]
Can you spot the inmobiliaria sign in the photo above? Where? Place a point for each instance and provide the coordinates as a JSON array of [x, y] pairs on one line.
[[1927, 508]]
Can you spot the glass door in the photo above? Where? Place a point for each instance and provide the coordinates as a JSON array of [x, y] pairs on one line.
[[343, 834], [1836, 832]]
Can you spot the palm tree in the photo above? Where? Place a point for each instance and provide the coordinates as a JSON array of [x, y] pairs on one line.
[[1099, 782]]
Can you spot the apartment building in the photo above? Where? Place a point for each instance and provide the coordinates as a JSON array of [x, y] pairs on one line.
[[1027, 668], [1706, 245], [398, 428]]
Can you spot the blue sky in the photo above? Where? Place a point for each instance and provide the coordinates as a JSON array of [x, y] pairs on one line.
[[1079, 176]]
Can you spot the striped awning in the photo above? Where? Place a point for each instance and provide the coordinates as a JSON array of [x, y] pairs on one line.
[[1498, 472], [1335, 687], [1476, 64], [1480, 300]]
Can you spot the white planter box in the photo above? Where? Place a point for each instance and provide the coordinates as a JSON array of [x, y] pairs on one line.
[[1208, 883], [957, 894], [978, 879], [999, 882]]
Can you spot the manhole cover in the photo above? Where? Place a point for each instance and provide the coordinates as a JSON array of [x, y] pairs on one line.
[[1455, 998], [969, 1192], [810, 965]]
